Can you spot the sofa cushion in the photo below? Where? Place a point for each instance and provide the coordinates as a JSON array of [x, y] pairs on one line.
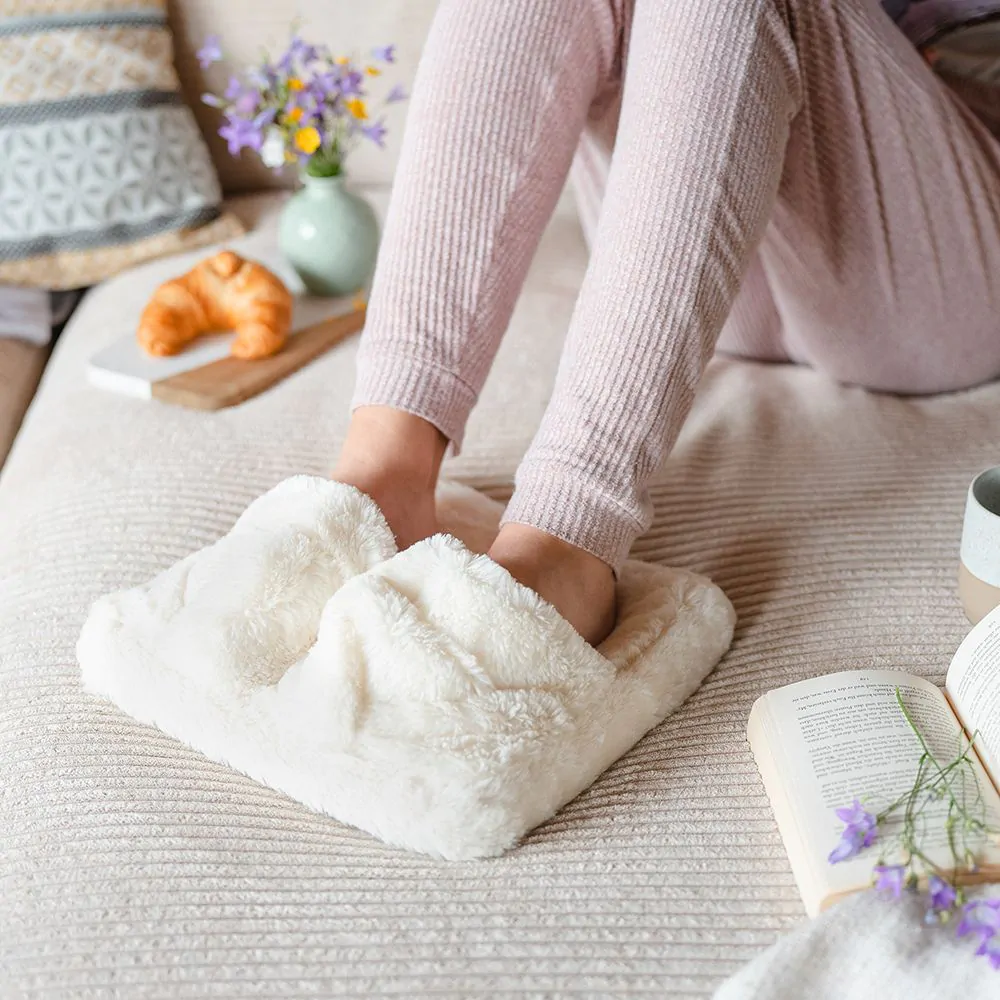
[[103, 165], [244, 27], [131, 864]]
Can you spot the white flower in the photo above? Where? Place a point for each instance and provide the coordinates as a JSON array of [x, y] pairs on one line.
[[272, 152]]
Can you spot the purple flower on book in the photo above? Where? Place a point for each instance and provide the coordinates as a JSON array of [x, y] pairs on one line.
[[990, 947], [890, 879], [981, 918], [860, 831], [384, 53], [942, 894], [210, 52]]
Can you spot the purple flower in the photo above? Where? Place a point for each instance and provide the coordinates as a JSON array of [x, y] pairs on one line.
[[942, 894], [350, 83], [890, 879], [265, 118], [234, 88], [980, 916], [244, 99], [263, 77], [398, 93], [990, 947], [211, 100], [384, 53], [306, 100], [300, 51], [240, 133], [210, 52], [376, 132], [245, 104], [307, 53], [326, 85], [860, 831]]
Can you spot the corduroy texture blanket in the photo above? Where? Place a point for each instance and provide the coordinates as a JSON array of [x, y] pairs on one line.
[[830, 517]]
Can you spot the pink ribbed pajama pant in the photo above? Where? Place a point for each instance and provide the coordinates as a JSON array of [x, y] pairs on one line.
[[789, 180]]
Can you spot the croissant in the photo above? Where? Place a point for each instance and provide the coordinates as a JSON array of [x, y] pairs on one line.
[[224, 292]]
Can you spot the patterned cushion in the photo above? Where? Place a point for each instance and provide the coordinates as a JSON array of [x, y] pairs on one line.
[[103, 164]]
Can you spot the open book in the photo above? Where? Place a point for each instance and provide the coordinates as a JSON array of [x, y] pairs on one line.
[[821, 743]]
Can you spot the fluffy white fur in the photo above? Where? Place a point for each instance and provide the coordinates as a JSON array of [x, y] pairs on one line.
[[424, 696]]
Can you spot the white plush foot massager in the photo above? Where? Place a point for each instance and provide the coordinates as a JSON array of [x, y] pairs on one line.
[[424, 696]]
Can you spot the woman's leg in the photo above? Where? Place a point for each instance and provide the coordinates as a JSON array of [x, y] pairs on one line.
[[884, 182], [883, 252], [883, 249], [711, 88], [500, 100]]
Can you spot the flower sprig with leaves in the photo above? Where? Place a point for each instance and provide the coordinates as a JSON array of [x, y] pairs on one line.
[[307, 106], [903, 865]]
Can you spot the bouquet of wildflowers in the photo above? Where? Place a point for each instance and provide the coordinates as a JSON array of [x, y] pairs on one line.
[[902, 863], [307, 106]]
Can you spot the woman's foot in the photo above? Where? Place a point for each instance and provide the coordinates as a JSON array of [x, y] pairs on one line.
[[394, 458], [580, 586]]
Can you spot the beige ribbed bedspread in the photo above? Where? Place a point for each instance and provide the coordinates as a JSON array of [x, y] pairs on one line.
[[131, 867]]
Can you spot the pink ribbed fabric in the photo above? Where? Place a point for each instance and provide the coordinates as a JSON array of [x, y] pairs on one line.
[[792, 166]]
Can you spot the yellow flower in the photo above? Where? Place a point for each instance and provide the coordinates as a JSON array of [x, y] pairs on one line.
[[307, 139], [294, 83], [341, 60], [357, 108], [372, 70], [294, 115]]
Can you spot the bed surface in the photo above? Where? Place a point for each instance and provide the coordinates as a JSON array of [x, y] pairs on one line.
[[133, 867]]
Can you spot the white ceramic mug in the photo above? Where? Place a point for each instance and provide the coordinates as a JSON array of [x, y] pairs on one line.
[[979, 572]]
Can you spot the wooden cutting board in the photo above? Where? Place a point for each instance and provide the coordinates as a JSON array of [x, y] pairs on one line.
[[232, 380], [206, 377]]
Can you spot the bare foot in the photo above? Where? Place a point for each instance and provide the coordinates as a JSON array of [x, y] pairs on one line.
[[394, 457], [580, 586]]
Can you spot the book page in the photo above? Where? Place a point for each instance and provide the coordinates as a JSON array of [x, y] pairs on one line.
[[840, 737], [973, 684]]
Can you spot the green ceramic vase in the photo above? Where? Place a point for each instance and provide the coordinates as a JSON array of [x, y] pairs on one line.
[[330, 237]]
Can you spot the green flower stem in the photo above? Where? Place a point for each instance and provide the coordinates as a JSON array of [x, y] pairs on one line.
[[935, 781]]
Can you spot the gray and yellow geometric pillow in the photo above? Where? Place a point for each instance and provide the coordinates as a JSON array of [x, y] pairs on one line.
[[101, 163]]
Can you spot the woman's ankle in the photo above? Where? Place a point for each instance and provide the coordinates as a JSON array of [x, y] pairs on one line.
[[577, 583], [385, 445], [394, 457]]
